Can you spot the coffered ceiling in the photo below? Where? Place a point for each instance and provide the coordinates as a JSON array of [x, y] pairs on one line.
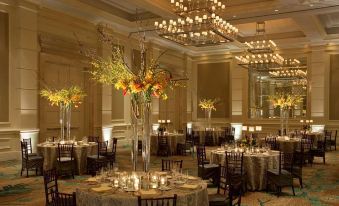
[[291, 23]]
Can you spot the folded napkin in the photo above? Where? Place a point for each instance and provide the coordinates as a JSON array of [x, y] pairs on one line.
[[190, 186], [102, 188], [148, 192], [91, 179], [162, 173], [192, 178]]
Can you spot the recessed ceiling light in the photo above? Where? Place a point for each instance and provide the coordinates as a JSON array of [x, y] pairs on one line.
[[234, 16], [311, 5], [276, 10]]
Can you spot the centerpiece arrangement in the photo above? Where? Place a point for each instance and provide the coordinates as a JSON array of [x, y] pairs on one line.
[[142, 85], [64, 98], [285, 102], [208, 105]]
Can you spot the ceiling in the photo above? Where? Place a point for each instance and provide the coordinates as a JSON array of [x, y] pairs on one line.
[[290, 23]]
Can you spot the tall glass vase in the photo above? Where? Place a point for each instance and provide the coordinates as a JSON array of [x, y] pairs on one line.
[[146, 143], [282, 116], [208, 115], [135, 115], [62, 121], [68, 113]]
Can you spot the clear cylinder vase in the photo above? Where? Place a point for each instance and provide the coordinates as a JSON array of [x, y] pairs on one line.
[[62, 121], [282, 121], [68, 112], [146, 143], [208, 115], [135, 115]]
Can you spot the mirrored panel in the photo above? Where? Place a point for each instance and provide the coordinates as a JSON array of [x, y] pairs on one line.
[[287, 80]]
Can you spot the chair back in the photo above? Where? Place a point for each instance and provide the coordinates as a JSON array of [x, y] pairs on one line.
[[102, 147], [29, 145], [230, 186], [271, 142], [62, 199], [234, 163], [24, 151], [201, 155], [328, 134], [161, 201], [51, 185], [65, 151], [280, 133], [168, 165], [306, 145], [285, 161], [162, 141], [114, 145]]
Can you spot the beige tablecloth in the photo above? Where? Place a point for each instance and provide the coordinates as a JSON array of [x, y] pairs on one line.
[[255, 166], [49, 152], [172, 138], [186, 197]]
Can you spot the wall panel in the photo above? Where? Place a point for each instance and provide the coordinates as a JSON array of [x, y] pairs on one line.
[[213, 82], [4, 68]]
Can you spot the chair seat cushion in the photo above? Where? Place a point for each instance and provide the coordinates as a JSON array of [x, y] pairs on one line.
[[35, 157], [96, 157], [110, 154], [218, 199], [210, 166], [32, 154], [276, 172], [65, 159]]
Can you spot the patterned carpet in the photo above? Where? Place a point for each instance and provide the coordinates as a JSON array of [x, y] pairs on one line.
[[321, 183]]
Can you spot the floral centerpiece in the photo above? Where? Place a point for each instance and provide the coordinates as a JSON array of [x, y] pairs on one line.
[[285, 102], [149, 81], [64, 98], [208, 105]]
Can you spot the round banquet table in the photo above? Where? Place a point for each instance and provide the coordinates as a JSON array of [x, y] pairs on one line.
[[50, 153], [86, 196], [172, 138], [255, 166], [285, 144]]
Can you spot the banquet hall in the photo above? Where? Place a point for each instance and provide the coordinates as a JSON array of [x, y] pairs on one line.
[[169, 102]]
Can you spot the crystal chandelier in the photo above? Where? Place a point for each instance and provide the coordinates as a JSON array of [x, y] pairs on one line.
[[291, 69], [260, 54], [198, 24]]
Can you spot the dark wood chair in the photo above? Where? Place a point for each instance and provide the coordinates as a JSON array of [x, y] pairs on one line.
[[319, 151], [161, 201], [333, 141], [234, 163], [111, 155], [30, 162], [52, 194], [187, 147], [206, 170], [282, 176], [98, 161], [168, 165], [163, 146], [271, 142], [29, 147], [228, 191], [305, 149], [327, 139], [297, 170], [65, 159]]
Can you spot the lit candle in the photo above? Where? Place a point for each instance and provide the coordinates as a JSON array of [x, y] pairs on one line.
[[172, 1]]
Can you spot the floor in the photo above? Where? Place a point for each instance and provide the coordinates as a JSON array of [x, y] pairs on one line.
[[321, 183]]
